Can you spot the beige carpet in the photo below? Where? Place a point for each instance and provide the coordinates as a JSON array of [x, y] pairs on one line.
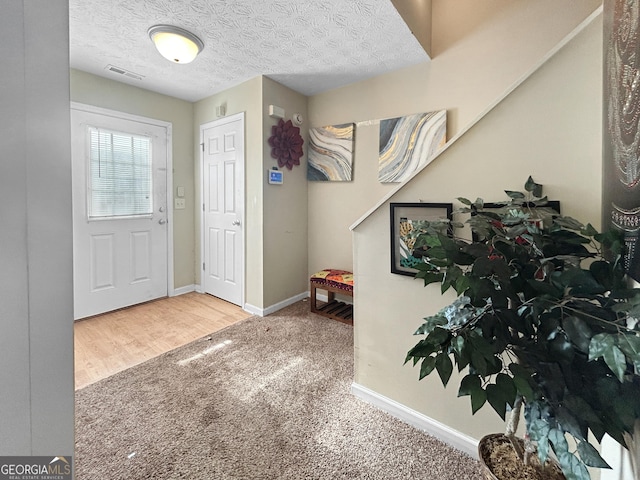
[[266, 398]]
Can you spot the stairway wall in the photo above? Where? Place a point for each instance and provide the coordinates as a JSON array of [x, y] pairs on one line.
[[549, 127]]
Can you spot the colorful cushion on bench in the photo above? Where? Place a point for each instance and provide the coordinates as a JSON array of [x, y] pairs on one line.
[[337, 278]]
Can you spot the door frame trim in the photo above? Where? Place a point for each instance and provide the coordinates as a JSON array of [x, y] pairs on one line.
[[169, 128], [203, 127]]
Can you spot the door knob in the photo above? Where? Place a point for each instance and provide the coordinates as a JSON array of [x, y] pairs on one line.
[[236, 223], [162, 221]]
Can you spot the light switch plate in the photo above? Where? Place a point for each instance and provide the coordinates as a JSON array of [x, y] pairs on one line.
[[179, 203]]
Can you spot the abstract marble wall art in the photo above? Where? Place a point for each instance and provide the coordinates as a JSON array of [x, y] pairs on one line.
[[331, 153], [408, 143]]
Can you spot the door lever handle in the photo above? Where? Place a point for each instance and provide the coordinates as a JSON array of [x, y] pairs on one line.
[[236, 223]]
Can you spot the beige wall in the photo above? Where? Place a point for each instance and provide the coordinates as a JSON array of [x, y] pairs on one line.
[[479, 50], [550, 128], [102, 92], [478, 54], [285, 206]]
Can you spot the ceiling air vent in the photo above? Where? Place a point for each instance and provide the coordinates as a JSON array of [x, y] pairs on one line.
[[122, 71]]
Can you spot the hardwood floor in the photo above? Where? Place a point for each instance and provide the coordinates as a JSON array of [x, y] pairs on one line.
[[109, 343]]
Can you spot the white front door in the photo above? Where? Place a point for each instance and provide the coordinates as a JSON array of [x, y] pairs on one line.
[[120, 216], [223, 208]]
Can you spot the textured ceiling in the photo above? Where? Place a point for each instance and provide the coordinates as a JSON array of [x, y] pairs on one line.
[[308, 45]]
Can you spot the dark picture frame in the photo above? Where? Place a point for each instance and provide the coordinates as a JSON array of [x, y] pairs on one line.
[[405, 219]]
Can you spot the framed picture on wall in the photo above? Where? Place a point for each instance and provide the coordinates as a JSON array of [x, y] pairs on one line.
[[408, 221]]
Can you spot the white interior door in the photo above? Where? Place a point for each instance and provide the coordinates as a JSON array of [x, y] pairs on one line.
[[223, 208], [120, 216]]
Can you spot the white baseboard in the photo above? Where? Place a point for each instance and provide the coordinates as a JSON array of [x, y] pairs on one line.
[[253, 310], [183, 290], [439, 430], [274, 308]]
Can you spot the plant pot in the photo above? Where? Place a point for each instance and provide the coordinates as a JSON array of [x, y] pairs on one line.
[[499, 461]]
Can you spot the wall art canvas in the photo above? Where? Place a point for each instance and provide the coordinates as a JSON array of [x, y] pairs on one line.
[[331, 153], [408, 143], [621, 139], [408, 222]]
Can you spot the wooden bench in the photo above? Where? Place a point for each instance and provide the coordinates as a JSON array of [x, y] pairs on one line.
[[332, 281]]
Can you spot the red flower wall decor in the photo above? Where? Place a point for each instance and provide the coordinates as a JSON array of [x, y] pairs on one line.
[[286, 144]]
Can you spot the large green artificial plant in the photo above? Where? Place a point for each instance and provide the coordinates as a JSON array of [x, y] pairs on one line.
[[543, 319]]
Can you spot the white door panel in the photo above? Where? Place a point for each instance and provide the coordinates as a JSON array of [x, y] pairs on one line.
[[119, 260], [102, 262], [141, 252], [223, 208]]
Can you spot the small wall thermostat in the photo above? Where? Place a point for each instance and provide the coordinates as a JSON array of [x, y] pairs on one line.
[[275, 177]]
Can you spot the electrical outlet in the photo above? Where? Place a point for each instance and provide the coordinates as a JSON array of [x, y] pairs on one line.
[[179, 203]]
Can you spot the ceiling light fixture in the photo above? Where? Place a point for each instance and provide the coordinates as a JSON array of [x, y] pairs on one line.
[[175, 44]]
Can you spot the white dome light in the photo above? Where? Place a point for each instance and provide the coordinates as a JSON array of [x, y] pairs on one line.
[[175, 44]]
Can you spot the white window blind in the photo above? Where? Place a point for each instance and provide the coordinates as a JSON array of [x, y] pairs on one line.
[[120, 179]]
